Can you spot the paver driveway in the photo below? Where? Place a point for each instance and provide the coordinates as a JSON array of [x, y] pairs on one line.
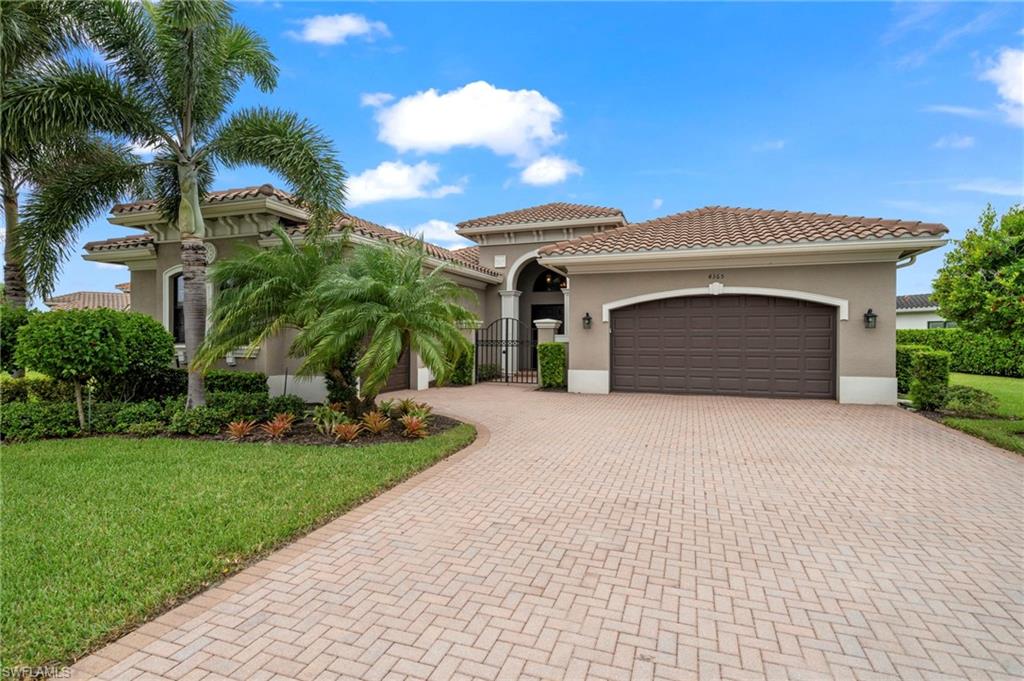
[[639, 536]]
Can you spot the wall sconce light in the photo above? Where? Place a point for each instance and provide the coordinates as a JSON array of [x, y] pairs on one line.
[[587, 320], [870, 319]]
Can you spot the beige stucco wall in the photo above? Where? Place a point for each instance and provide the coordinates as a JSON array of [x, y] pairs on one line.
[[860, 352]]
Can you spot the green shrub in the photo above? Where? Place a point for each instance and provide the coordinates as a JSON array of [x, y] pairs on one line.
[[904, 361], [13, 390], [970, 402], [488, 372], [462, 374], [551, 358], [287, 404], [133, 413], [241, 406], [929, 379], [163, 383], [342, 382], [103, 417], [149, 352], [972, 353], [198, 421], [228, 381], [11, 319], [146, 428], [21, 421], [44, 389]]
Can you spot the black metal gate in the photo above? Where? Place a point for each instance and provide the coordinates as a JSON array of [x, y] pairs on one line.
[[506, 351]]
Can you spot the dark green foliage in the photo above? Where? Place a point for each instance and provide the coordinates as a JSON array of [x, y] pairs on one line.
[[73, 345], [462, 374], [163, 383], [13, 390], [21, 421], [146, 428], [149, 352], [45, 389], [488, 372], [904, 361], [342, 382], [241, 406], [929, 379], [200, 420], [552, 357], [287, 404], [134, 413], [228, 381], [11, 319], [972, 353], [963, 400], [103, 417]]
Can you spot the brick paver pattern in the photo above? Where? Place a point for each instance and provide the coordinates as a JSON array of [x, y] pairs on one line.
[[638, 537]]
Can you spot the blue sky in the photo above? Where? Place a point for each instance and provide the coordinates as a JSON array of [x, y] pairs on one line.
[[444, 112]]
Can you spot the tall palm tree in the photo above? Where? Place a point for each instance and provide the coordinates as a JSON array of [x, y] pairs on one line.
[[32, 33], [172, 70], [383, 302]]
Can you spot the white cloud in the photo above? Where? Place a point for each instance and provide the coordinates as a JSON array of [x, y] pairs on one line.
[[438, 232], [375, 99], [549, 170], [398, 180], [519, 123], [109, 266], [335, 29], [657, 203], [144, 150], [770, 145], [1008, 75], [954, 110], [954, 141], [991, 186]]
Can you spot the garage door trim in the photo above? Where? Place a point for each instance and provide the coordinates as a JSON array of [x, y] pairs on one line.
[[717, 288]]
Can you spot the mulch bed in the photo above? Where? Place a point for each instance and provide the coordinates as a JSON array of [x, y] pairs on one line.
[[305, 433]]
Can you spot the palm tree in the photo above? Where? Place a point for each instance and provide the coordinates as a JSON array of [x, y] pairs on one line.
[[382, 303], [34, 33], [172, 70]]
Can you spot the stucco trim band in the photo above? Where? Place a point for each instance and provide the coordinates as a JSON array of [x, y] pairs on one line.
[[867, 390]]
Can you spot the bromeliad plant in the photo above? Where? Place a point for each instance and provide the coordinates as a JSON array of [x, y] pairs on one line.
[[171, 72], [239, 430], [279, 426], [376, 422], [347, 432], [414, 426], [325, 417]]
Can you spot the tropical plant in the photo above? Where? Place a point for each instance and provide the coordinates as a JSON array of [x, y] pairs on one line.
[[387, 407], [414, 426], [347, 432], [325, 417], [406, 405], [172, 70], [239, 430], [376, 422], [981, 284], [11, 319], [278, 426], [384, 302], [420, 410]]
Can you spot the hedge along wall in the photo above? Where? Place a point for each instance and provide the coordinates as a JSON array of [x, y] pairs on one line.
[[971, 353], [552, 359]]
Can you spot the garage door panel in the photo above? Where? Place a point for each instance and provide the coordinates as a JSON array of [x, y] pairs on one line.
[[730, 345]]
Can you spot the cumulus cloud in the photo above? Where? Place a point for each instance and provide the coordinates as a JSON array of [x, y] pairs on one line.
[[770, 145], [954, 141], [657, 203], [335, 29], [438, 232], [549, 170], [398, 180], [1008, 75], [519, 123], [375, 99], [991, 186]]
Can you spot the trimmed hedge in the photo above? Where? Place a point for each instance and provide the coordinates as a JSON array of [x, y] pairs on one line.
[[21, 421], [462, 374], [227, 381], [11, 319], [904, 362], [971, 353], [929, 379], [199, 421], [551, 358]]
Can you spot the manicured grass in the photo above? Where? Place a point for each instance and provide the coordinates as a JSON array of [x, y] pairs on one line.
[[1008, 434], [100, 534], [1009, 391]]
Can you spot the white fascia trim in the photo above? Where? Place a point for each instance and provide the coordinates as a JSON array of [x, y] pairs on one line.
[[211, 210], [717, 288], [592, 381], [122, 255], [513, 271], [917, 309], [867, 390], [899, 245], [541, 226]]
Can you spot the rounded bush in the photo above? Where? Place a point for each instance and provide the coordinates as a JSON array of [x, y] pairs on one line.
[[551, 358], [929, 379]]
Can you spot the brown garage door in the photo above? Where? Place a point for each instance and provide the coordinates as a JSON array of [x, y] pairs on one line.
[[725, 345], [398, 379]]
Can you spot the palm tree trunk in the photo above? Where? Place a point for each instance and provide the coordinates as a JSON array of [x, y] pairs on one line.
[[193, 269], [15, 289]]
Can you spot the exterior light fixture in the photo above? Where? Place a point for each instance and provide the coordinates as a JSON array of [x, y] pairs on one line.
[[870, 319], [587, 320]]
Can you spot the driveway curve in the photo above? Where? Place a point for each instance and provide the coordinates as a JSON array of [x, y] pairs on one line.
[[638, 537]]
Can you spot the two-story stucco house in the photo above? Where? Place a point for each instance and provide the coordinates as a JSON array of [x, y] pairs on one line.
[[715, 300]]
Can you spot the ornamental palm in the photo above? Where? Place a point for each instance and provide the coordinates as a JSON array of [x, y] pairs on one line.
[[386, 301], [173, 69]]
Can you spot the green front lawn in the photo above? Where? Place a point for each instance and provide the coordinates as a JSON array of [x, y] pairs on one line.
[[100, 534], [1006, 433]]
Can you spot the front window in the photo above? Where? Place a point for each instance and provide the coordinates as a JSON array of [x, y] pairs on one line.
[[178, 307], [942, 324]]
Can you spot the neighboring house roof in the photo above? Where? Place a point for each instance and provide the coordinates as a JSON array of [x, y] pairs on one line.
[[90, 300], [121, 242], [717, 226], [125, 287], [212, 197], [549, 212], [915, 301]]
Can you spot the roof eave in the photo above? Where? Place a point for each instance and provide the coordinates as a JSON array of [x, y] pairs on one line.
[[531, 226], [121, 256], [269, 204]]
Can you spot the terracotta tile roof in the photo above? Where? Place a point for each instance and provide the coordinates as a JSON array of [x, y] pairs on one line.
[[724, 226], [549, 212], [915, 301], [90, 300], [119, 243], [470, 254], [125, 287], [213, 197]]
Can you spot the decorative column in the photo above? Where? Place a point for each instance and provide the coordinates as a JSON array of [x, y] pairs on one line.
[[510, 331], [566, 312], [469, 330]]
